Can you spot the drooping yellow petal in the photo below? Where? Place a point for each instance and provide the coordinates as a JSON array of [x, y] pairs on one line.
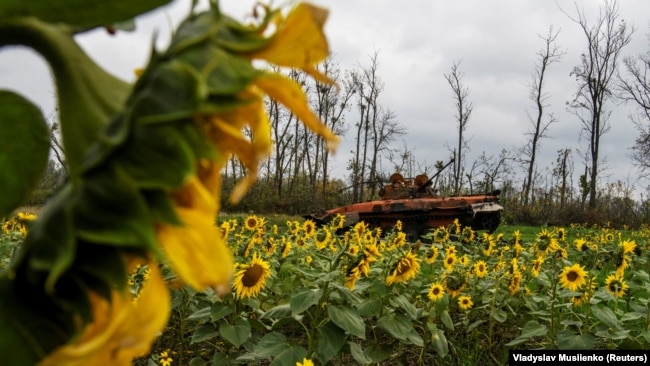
[[195, 195], [196, 251], [290, 94], [121, 330], [299, 41]]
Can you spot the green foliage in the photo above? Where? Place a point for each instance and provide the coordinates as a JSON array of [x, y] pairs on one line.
[[23, 153]]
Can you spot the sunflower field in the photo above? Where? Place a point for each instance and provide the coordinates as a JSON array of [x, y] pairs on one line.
[[318, 295]]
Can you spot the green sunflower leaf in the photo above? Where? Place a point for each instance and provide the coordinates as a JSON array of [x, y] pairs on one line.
[[78, 12], [304, 298], [236, 334], [329, 342], [23, 151], [289, 356], [348, 319]]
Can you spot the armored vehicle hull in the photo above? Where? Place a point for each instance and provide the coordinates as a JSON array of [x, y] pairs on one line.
[[415, 203]]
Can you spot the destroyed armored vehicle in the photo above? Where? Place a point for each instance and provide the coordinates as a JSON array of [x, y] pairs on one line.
[[415, 203]]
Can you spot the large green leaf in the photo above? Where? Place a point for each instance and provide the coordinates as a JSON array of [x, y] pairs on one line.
[[568, 340], [329, 342], [397, 325], [237, 333], [348, 319], [24, 149], [270, 345], [289, 356], [83, 13], [304, 298], [531, 329], [88, 96], [606, 315], [203, 333]]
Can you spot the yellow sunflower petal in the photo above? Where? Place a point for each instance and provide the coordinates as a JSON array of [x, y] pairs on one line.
[[290, 94], [196, 251], [299, 40], [121, 330]]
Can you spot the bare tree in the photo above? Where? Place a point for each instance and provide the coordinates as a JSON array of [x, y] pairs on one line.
[[463, 112], [541, 122], [637, 89], [595, 76], [376, 128], [330, 103]]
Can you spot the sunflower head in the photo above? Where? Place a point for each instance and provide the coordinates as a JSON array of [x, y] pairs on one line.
[[573, 277], [251, 277], [465, 302], [405, 269], [615, 285], [436, 292], [309, 228], [480, 269]]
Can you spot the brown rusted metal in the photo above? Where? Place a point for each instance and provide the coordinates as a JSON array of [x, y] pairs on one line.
[[416, 204]]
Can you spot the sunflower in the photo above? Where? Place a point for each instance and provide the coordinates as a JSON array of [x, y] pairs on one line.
[[454, 284], [431, 255], [309, 228], [224, 230], [573, 277], [371, 250], [269, 246], [616, 285], [518, 249], [546, 241], [488, 244], [436, 292], [164, 359], [515, 283], [398, 226], [516, 236], [622, 262], [480, 269], [561, 234], [305, 362], [465, 302], [400, 239], [441, 235], [581, 244], [404, 270], [337, 222], [323, 238], [463, 260], [359, 229], [467, 235], [251, 277], [449, 262], [286, 247], [628, 246], [353, 249], [537, 266], [456, 227], [251, 223]]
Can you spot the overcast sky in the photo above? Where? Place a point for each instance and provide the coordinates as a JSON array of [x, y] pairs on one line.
[[417, 42]]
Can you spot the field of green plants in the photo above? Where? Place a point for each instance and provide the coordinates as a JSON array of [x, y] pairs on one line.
[[306, 295]]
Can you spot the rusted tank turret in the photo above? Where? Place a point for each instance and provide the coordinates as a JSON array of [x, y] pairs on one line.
[[414, 201]]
